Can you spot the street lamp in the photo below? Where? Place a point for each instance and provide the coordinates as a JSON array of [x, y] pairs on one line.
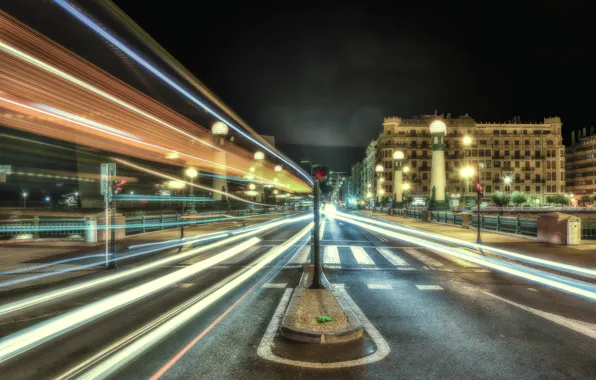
[[192, 174], [398, 156], [259, 156], [379, 169], [507, 181], [467, 172], [25, 195], [278, 168]]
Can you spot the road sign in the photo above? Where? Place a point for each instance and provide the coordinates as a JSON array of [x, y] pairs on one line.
[[108, 172]]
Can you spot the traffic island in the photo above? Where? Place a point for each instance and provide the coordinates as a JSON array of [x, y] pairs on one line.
[[319, 316]]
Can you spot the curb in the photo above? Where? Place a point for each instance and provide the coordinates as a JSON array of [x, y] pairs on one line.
[[354, 331]]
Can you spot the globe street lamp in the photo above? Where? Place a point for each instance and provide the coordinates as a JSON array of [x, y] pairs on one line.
[[192, 174], [398, 156], [220, 131], [438, 130], [379, 169], [25, 195], [507, 180], [259, 157], [467, 172]]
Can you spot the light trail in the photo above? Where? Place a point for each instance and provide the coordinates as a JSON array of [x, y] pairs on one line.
[[166, 176], [129, 52], [145, 342], [22, 341], [118, 134], [565, 284], [52, 295], [586, 272]]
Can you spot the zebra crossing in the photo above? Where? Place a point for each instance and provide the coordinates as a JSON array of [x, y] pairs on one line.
[[367, 257]]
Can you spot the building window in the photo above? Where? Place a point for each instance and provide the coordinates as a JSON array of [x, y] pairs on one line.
[[562, 188], [517, 188], [527, 189], [528, 176], [516, 163], [497, 164], [537, 164], [424, 189], [424, 176], [497, 188], [489, 189], [526, 142], [537, 189]]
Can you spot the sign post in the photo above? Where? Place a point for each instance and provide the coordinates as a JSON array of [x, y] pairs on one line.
[[108, 172]]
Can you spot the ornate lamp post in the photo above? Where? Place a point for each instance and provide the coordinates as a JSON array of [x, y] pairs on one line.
[[467, 141], [507, 180], [192, 174], [406, 187], [438, 130], [379, 169], [398, 156], [467, 172], [219, 131], [259, 157]]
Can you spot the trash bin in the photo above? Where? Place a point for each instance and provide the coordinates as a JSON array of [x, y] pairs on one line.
[[574, 231]]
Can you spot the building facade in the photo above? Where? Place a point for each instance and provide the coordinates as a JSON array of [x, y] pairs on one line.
[[356, 179], [581, 163], [530, 155], [367, 180]]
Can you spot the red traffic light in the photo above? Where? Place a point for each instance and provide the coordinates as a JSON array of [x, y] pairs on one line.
[[320, 172]]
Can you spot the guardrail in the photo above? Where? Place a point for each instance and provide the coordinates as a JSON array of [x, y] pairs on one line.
[[517, 225], [588, 229], [149, 223], [410, 213]]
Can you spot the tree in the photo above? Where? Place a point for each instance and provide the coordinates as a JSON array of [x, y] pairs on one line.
[[558, 199], [586, 199], [518, 197], [533, 200], [500, 199]]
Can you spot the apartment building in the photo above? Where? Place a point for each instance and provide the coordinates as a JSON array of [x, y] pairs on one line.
[[530, 155], [581, 163]]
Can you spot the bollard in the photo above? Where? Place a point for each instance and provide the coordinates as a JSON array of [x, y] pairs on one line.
[[36, 227], [90, 230]]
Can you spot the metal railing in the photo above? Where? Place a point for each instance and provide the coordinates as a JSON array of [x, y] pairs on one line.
[[516, 225], [149, 223], [588, 229], [409, 213], [447, 217], [37, 227]]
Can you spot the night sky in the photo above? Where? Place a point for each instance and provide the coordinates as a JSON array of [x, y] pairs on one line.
[[326, 75]]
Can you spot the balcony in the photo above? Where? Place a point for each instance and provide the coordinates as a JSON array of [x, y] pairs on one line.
[[537, 181], [527, 169]]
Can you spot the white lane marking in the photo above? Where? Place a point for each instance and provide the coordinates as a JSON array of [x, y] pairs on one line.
[[456, 260], [407, 269], [339, 285], [392, 257], [273, 285], [586, 328], [361, 256], [302, 255], [481, 271], [265, 347], [422, 257], [532, 289], [429, 287], [241, 256], [379, 286], [331, 255], [183, 285], [332, 266]]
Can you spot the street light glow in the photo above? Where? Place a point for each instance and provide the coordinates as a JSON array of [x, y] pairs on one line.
[[406, 169], [379, 168], [467, 172], [406, 186], [259, 155], [191, 172], [467, 140], [438, 127], [507, 180], [398, 155], [278, 168]]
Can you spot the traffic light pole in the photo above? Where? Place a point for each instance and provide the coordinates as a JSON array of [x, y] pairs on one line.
[[316, 281], [478, 241], [112, 263]]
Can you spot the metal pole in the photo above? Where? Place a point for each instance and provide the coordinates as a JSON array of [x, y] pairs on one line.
[[478, 241], [113, 236], [316, 281]]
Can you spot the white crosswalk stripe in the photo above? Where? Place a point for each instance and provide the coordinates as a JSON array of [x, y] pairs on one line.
[[361, 256], [392, 257], [422, 257], [331, 255], [302, 255]]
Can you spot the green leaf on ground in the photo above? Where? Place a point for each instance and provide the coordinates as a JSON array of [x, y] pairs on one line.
[[324, 319]]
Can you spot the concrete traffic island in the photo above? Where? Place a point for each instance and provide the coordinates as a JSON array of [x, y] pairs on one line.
[[306, 305]]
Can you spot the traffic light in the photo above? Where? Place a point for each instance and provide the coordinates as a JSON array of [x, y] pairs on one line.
[[320, 172], [479, 189]]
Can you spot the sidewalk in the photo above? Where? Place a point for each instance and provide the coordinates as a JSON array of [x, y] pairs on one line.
[[584, 255]]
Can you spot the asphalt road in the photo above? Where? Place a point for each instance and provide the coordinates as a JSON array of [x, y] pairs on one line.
[[441, 319]]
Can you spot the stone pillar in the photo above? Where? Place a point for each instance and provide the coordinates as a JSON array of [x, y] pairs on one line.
[[437, 170], [398, 184], [380, 181]]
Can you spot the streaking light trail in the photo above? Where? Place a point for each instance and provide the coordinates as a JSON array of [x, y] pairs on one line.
[[565, 284], [125, 49], [586, 272], [133, 350], [52, 295], [20, 342]]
